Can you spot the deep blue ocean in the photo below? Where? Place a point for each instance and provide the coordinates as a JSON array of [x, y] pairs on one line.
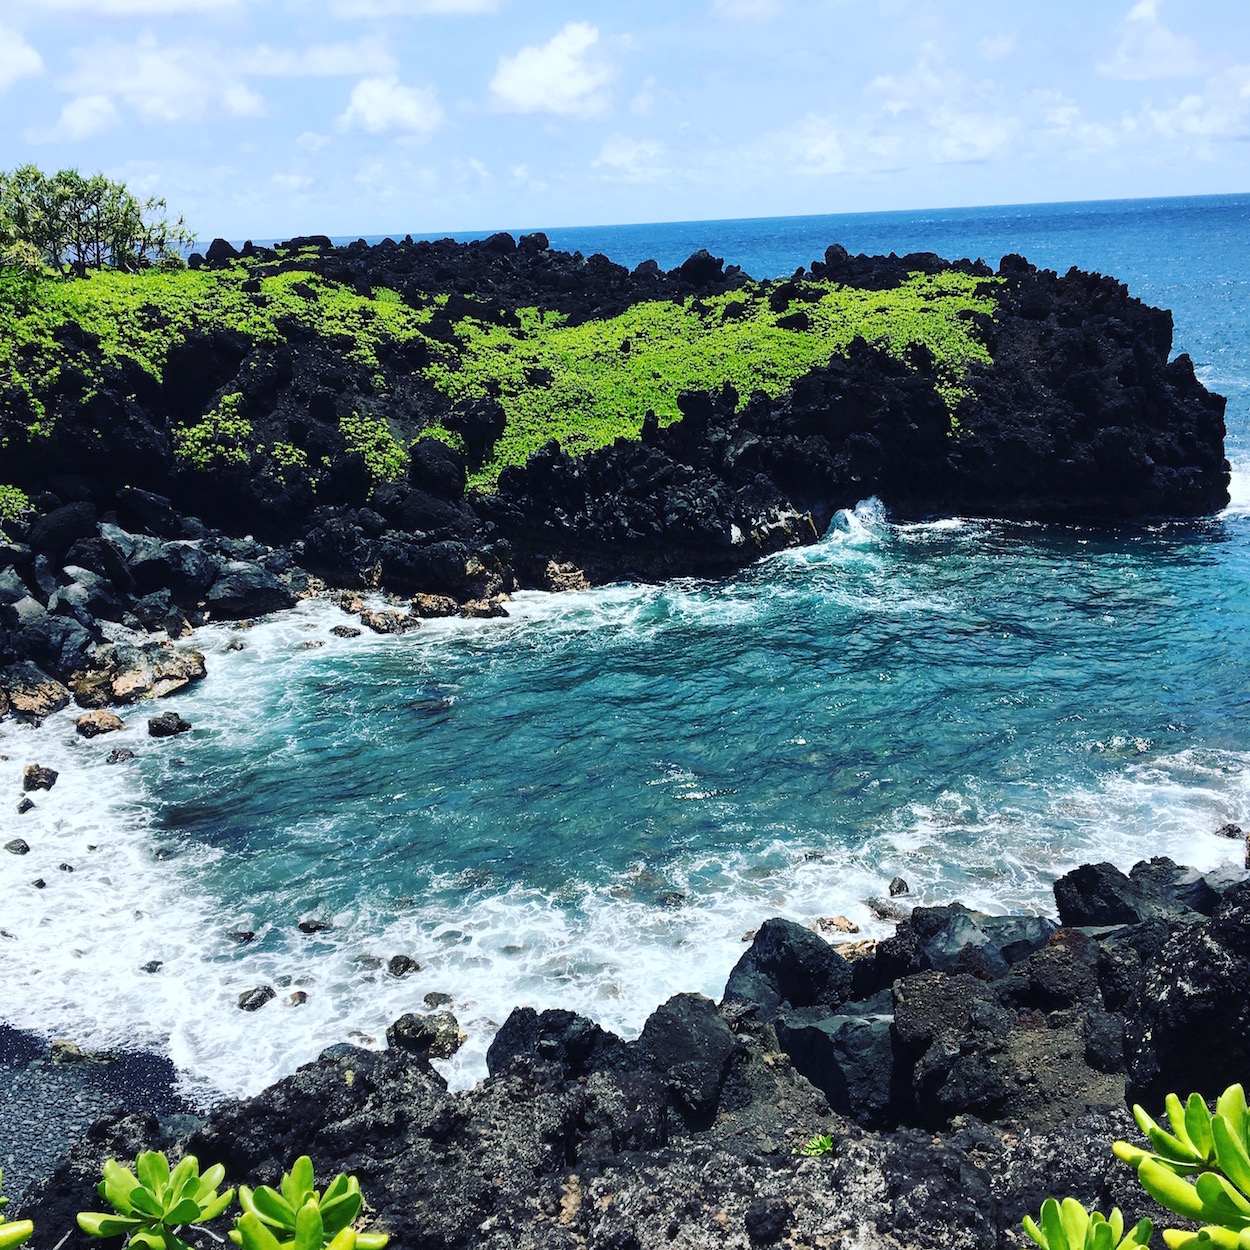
[[589, 804]]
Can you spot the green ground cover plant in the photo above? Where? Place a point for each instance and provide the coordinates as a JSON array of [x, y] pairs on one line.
[[582, 385]]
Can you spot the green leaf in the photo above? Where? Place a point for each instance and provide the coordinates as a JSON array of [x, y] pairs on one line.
[[1230, 1154], [210, 1180], [15, 1232], [253, 1235], [339, 1186], [98, 1224], [1142, 1232], [186, 1212], [187, 1171], [1099, 1237], [118, 1184], [1052, 1227], [144, 1202], [340, 1212], [297, 1184], [378, 1241], [1167, 1189], [1198, 1125], [211, 1209], [1231, 1104], [347, 1239], [152, 1168], [309, 1233], [269, 1205], [1224, 1204], [151, 1239]]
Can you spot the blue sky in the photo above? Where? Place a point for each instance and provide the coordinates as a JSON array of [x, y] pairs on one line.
[[263, 118]]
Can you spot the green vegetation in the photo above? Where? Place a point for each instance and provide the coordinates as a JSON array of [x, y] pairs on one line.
[[582, 385], [220, 439], [814, 1147], [587, 385], [75, 223], [13, 1232], [1069, 1226], [13, 504], [274, 1218], [152, 1203], [1214, 1150], [371, 437]]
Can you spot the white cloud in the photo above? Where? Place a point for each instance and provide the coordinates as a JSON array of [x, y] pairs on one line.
[[642, 104], [814, 147], [292, 182], [311, 141], [1148, 49], [381, 104], [85, 116], [631, 160], [996, 47], [1221, 111], [178, 83], [747, 10], [17, 58], [557, 77]]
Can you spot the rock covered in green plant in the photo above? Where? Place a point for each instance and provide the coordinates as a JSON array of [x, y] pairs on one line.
[[151, 1203], [12, 1232], [1069, 1226], [282, 1219], [1212, 1149]]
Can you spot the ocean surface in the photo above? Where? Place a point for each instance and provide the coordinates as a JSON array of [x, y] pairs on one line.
[[590, 803]]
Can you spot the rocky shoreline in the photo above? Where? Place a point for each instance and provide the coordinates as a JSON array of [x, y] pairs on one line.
[[1082, 416], [964, 1069]]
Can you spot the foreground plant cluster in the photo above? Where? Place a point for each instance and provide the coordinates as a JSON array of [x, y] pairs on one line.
[[1200, 1171], [153, 1204]]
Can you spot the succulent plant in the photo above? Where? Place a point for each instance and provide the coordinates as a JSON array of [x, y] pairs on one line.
[[12, 1232], [282, 1219], [1069, 1226], [1213, 1150], [814, 1147], [151, 1203]]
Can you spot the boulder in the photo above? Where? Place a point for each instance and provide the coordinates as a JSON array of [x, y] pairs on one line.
[[37, 777], [167, 725], [1100, 895], [32, 694], [578, 1045], [93, 724], [245, 589], [437, 1036], [255, 999], [53, 534], [788, 966], [687, 1043]]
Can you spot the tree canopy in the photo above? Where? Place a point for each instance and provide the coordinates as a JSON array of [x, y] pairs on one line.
[[75, 222]]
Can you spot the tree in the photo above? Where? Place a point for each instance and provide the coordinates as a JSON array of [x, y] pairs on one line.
[[75, 223]]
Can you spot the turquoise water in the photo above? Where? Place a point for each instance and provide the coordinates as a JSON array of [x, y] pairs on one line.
[[590, 803]]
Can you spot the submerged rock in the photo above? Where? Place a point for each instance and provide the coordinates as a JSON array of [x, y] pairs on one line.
[[37, 777], [168, 725], [255, 999], [437, 1036]]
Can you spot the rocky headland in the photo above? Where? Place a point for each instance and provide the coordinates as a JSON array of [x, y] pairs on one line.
[[216, 443], [963, 1070]]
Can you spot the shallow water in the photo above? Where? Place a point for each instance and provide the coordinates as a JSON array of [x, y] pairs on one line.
[[588, 804]]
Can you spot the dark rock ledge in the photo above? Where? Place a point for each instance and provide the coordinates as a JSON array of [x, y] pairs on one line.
[[965, 1068]]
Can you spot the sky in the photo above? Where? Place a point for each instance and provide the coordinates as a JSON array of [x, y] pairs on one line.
[[268, 118]]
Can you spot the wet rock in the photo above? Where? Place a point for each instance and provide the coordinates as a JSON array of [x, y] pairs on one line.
[[241, 936], [24, 805], [484, 609], [788, 966], [1101, 895], [345, 631], [39, 883], [244, 589], [33, 695], [835, 924], [297, 998], [402, 965], [438, 1036], [167, 725], [578, 1046], [1229, 831], [17, 846], [64, 1051], [436, 998], [314, 926], [119, 755], [93, 724], [386, 622], [153, 965], [37, 777], [255, 999], [429, 606], [899, 886], [565, 576], [153, 671], [66, 867]]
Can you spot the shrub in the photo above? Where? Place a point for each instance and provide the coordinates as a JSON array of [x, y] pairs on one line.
[[1069, 1226], [274, 1217], [152, 1203]]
